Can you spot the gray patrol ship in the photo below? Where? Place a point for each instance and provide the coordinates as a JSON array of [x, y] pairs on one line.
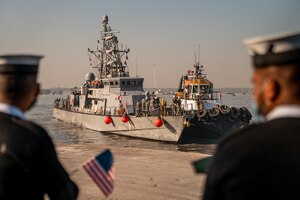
[[114, 102]]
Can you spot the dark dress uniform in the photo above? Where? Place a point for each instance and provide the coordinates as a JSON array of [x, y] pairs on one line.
[[262, 161], [259, 162], [29, 167]]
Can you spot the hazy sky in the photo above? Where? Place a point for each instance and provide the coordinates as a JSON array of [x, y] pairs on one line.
[[164, 32]]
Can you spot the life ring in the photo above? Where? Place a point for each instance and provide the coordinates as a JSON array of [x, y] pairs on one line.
[[224, 109], [214, 112]]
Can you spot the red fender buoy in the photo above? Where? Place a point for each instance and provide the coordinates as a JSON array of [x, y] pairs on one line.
[[158, 122], [125, 119], [107, 119]]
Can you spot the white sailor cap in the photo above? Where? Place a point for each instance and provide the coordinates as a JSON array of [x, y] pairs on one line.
[[19, 64], [277, 49]]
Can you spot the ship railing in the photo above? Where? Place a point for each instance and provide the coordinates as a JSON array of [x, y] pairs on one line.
[[113, 111], [212, 96]]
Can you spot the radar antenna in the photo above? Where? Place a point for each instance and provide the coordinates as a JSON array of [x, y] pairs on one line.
[[108, 58]]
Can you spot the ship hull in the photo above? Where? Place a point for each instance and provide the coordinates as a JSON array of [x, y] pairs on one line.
[[174, 128], [139, 127], [209, 131]]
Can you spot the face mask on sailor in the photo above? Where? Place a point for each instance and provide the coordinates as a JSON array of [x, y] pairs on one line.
[[259, 102]]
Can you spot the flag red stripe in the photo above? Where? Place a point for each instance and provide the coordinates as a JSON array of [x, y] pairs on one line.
[[111, 174], [101, 183], [103, 179], [98, 183], [92, 176], [99, 177], [104, 174], [101, 174]]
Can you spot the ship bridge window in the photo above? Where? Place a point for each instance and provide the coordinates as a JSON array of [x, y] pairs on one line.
[[190, 89], [133, 82], [204, 89], [123, 83], [128, 82], [111, 83], [195, 89], [116, 83]]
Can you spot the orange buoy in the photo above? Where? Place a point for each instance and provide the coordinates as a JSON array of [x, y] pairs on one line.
[[107, 119], [158, 122], [125, 119]]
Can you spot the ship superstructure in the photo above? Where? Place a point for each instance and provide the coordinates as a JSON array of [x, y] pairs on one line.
[[112, 85]]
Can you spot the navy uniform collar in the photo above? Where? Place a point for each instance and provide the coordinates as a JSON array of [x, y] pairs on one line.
[[284, 111], [12, 110]]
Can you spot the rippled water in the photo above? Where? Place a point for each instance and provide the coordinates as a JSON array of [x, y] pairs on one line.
[[70, 134]]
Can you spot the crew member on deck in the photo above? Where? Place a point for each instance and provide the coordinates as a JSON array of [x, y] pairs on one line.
[[138, 108], [178, 105], [29, 167], [174, 105], [186, 92], [262, 161], [163, 106]]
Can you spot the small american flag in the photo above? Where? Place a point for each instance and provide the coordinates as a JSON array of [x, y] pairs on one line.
[[101, 171]]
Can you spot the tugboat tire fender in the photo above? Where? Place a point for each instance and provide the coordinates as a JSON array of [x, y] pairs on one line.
[[201, 113], [204, 118], [243, 114], [214, 112], [224, 109], [234, 113], [249, 115]]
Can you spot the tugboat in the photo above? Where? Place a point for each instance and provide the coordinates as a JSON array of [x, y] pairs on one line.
[[114, 102], [202, 108]]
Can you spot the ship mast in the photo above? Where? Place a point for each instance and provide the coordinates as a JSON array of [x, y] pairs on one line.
[[108, 59], [199, 68]]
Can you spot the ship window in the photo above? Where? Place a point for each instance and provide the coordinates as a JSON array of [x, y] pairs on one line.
[[190, 89], [133, 82], [116, 83], [195, 89], [123, 83], [111, 83], [128, 83]]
